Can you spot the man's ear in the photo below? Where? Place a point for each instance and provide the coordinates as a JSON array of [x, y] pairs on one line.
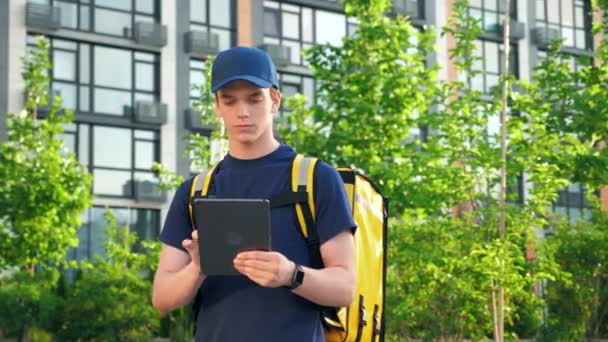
[[275, 96]]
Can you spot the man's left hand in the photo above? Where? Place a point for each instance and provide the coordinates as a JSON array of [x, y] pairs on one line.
[[268, 269]]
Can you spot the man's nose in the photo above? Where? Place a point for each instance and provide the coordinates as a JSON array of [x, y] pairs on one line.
[[242, 111]]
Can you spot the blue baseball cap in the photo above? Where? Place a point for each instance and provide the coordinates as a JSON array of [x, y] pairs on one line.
[[243, 63]]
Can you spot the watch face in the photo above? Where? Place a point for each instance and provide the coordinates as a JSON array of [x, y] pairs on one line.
[[298, 277]]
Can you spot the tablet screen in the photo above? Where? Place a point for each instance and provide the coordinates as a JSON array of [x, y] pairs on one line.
[[227, 226]]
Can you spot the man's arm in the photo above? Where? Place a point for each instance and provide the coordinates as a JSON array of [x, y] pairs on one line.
[[178, 276], [334, 285]]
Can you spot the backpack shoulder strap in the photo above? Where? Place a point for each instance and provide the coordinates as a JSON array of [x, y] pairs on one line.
[[302, 176], [302, 181], [200, 186]]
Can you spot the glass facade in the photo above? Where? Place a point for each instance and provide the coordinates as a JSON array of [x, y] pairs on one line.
[[300, 27], [116, 156], [490, 12], [490, 64], [570, 18], [101, 79], [143, 222], [107, 17], [572, 203], [216, 16], [197, 78]]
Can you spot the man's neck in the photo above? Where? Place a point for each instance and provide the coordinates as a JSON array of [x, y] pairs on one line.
[[254, 150]]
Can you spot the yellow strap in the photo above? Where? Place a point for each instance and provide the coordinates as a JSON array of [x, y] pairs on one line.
[[207, 181], [204, 188], [192, 191], [295, 172], [310, 186], [305, 177]]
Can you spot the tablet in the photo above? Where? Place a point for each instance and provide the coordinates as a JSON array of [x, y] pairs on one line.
[[227, 226]]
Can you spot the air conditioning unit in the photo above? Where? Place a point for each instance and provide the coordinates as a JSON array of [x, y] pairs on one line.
[[151, 112], [127, 32], [542, 36], [517, 30], [193, 121], [148, 191], [406, 8], [280, 54], [152, 34], [201, 43], [42, 16]]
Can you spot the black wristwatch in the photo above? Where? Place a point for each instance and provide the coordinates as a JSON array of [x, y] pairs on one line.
[[297, 278]]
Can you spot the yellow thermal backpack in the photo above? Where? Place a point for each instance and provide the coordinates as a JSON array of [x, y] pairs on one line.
[[363, 320]]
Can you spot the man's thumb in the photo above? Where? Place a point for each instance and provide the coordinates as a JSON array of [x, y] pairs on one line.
[[188, 245]]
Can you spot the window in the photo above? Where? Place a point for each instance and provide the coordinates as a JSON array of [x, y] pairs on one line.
[[291, 84], [111, 17], [570, 17], [102, 80], [572, 203], [490, 65], [216, 16], [300, 27], [490, 12], [575, 63], [144, 222], [197, 78], [117, 157]]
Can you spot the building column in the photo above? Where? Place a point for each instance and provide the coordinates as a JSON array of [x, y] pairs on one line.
[[244, 21], [451, 73], [181, 68], [4, 34], [169, 152], [17, 42]]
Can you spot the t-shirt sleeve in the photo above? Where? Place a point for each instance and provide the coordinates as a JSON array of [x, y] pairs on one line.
[[332, 208], [177, 226]]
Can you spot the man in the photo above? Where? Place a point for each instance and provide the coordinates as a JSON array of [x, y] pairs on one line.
[[264, 303]]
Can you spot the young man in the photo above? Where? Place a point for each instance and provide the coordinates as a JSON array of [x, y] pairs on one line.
[[264, 303]]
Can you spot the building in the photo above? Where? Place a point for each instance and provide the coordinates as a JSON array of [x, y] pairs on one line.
[[127, 66]]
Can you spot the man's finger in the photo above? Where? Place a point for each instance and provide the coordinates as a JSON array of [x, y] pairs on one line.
[[258, 255], [255, 264]]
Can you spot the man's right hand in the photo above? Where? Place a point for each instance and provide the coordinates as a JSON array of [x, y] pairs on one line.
[[191, 245], [178, 276]]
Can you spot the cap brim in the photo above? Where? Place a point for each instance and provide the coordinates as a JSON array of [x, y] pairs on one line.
[[255, 80]]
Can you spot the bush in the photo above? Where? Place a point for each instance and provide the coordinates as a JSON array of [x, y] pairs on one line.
[[109, 304], [28, 301], [111, 298]]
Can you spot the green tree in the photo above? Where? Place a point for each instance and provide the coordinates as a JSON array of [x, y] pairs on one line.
[[44, 189], [375, 90], [43, 192], [573, 106], [578, 303]]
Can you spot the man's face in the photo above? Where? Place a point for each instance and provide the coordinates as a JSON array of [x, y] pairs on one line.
[[247, 110]]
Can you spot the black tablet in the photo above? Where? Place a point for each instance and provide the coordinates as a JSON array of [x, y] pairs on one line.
[[227, 226]]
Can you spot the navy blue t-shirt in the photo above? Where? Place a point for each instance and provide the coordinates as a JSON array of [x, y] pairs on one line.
[[233, 308]]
